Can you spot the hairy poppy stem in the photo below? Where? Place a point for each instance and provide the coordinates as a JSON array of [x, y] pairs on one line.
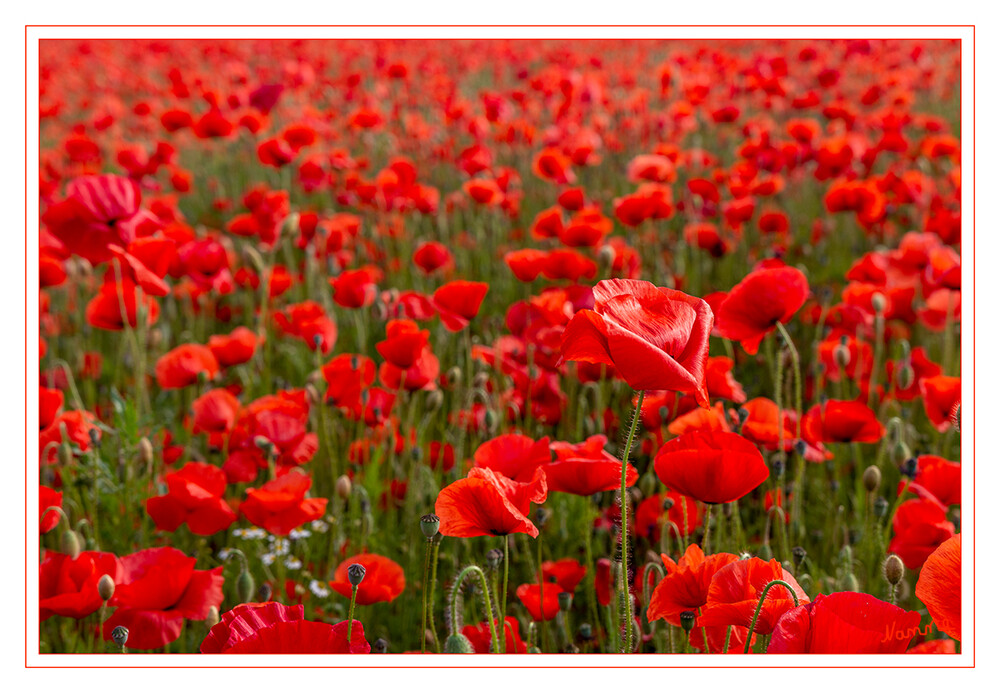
[[423, 619], [503, 599], [800, 465], [350, 615], [627, 617], [453, 597], [430, 609], [760, 605]]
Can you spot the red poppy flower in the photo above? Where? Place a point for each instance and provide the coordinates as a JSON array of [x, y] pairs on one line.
[[215, 413], [403, 344], [844, 623], [48, 498], [699, 419], [940, 646], [941, 394], [526, 263], [347, 376], [565, 573], [99, 211], [936, 479], [158, 590], [552, 165], [182, 365], [422, 375], [657, 339], [104, 311], [280, 506], [513, 455], [431, 256], [919, 527], [79, 427], [194, 498], [764, 298], [939, 586], [384, 579], [720, 381], [565, 263], [685, 588], [716, 467], [486, 504], [840, 421], [650, 516], [583, 476], [458, 302], [235, 348], [481, 638], [735, 591], [309, 322], [531, 596], [68, 586], [274, 628], [356, 288], [602, 581], [50, 403]]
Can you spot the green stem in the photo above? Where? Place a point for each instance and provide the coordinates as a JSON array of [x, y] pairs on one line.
[[423, 619], [627, 620], [760, 605], [350, 615], [503, 598], [495, 642]]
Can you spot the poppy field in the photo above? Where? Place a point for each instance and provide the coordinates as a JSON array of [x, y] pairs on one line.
[[500, 346]]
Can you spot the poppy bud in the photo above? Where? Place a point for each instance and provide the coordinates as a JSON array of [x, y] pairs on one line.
[[343, 486], [881, 507], [871, 478], [744, 556], [687, 620], [458, 644], [416, 454], [106, 588], [849, 583], [434, 401], [381, 646], [606, 255], [892, 569], [264, 593], [429, 525], [69, 544], [453, 375], [905, 376], [777, 465], [800, 448], [491, 421], [841, 353], [647, 484], [565, 601], [213, 617], [668, 503], [120, 635], [480, 380], [263, 444], [493, 558], [798, 555], [95, 436], [65, 453], [355, 574], [878, 302], [909, 467], [145, 451], [765, 553], [312, 394], [743, 413], [245, 587]]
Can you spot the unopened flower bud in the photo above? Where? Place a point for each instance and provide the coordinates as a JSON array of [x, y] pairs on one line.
[[798, 555], [565, 601], [65, 454], [881, 507], [380, 646], [458, 644], [905, 376], [145, 452], [453, 375], [878, 302], [342, 487], [606, 255], [245, 587], [69, 544], [434, 401], [849, 583], [765, 553], [842, 354], [120, 635], [429, 525], [493, 558], [480, 380], [871, 478], [893, 569], [106, 588], [213, 616], [909, 467], [956, 417], [263, 444], [355, 574]]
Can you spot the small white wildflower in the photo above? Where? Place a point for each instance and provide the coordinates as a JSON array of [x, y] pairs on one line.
[[292, 563], [319, 526], [255, 533], [319, 589], [225, 553], [240, 533], [281, 547], [267, 558], [299, 534]]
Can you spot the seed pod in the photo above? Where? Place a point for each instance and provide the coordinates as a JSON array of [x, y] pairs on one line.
[[687, 620], [343, 486], [878, 302], [264, 593], [380, 646], [429, 525], [355, 574], [881, 507], [565, 601], [120, 635]]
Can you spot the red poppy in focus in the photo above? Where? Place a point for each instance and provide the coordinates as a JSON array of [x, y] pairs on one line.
[[274, 628], [531, 596], [486, 504], [583, 476], [68, 586], [458, 302], [840, 421], [195, 499], [735, 593], [939, 586], [657, 339], [158, 590], [280, 506], [941, 394], [183, 365], [384, 579], [844, 623], [936, 479], [685, 588], [513, 455], [104, 311], [764, 298], [661, 509], [715, 467], [602, 581]]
